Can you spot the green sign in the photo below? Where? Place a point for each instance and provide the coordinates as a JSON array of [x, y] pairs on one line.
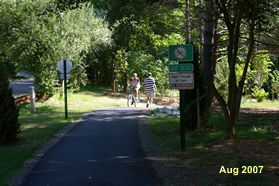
[[181, 68], [181, 52]]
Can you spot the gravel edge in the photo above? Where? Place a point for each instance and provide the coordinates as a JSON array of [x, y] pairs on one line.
[[159, 159], [20, 175]]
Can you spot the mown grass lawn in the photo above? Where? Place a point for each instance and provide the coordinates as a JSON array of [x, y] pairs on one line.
[[206, 151], [37, 128], [263, 104]]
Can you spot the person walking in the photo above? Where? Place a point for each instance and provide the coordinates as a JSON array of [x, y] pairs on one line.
[[150, 89]]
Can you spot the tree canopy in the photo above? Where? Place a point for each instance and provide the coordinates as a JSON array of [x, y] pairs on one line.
[[37, 35], [109, 40]]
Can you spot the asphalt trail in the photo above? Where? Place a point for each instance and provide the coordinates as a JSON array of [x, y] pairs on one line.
[[22, 86], [103, 149]]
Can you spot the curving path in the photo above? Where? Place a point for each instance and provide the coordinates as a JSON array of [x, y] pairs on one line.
[[22, 86], [102, 149]]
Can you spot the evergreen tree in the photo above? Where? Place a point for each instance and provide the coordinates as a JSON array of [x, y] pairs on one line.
[[9, 126]]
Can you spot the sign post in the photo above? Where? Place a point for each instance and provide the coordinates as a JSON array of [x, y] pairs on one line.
[[65, 66], [65, 88], [181, 77]]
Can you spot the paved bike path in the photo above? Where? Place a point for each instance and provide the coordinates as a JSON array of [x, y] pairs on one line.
[[22, 86], [102, 149]]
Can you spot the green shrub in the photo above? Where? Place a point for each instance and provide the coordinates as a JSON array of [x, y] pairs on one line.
[[259, 94], [35, 35], [9, 126]]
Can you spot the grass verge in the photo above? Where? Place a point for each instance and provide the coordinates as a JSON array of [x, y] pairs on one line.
[[37, 128], [206, 152], [263, 104]]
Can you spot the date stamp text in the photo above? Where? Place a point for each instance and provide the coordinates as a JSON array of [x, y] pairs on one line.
[[243, 170]]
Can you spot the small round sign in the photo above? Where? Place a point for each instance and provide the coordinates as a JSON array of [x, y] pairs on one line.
[[180, 52], [68, 66]]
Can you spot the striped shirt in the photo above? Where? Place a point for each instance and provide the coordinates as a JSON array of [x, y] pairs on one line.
[[149, 84]]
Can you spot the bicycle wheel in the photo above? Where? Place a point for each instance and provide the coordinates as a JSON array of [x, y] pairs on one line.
[[129, 100], [134, 101]]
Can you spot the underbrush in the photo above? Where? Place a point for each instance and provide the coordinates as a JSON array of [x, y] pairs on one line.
[[207, 152]]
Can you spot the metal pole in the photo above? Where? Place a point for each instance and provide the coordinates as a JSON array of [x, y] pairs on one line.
[[65, 89], [32, 99], [182, 120], [182, 117]]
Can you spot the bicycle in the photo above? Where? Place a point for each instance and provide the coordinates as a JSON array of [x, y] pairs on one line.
[[132, 98]]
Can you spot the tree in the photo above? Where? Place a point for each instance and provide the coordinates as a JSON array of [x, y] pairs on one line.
[[210, 46], [275, 83], [237, 14], [41, 35], [9, 126], [141, 37], [261, 65]]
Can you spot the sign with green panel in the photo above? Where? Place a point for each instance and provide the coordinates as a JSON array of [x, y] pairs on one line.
[[174, 68], [181, 52], [181, 68]]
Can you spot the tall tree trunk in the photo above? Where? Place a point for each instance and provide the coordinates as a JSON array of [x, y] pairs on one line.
[[201, 31], [210, 47], [197, 70], [187, 18], [230, 132], [248, 59], [233, 21], [187, 107]]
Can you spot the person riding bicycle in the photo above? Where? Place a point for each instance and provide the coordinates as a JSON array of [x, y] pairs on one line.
[[135, 81]]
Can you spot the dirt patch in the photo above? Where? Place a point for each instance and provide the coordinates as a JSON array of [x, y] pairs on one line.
[[158, 100], [167, 101], [161, 159], [240, 154], [115, 94], [201, 166]]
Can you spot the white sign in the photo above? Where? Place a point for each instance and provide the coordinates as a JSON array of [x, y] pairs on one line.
[[62, 76], [68, 66], [181, 81]]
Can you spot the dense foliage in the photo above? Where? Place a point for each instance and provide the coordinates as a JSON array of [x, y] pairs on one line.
[[37, 35], [9, 126], [141, 37], [239, 24], [237, 47]]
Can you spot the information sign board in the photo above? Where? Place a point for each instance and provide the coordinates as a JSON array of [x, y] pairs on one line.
[[181, 52], [181, 81], [61, 65], [181, 67]]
